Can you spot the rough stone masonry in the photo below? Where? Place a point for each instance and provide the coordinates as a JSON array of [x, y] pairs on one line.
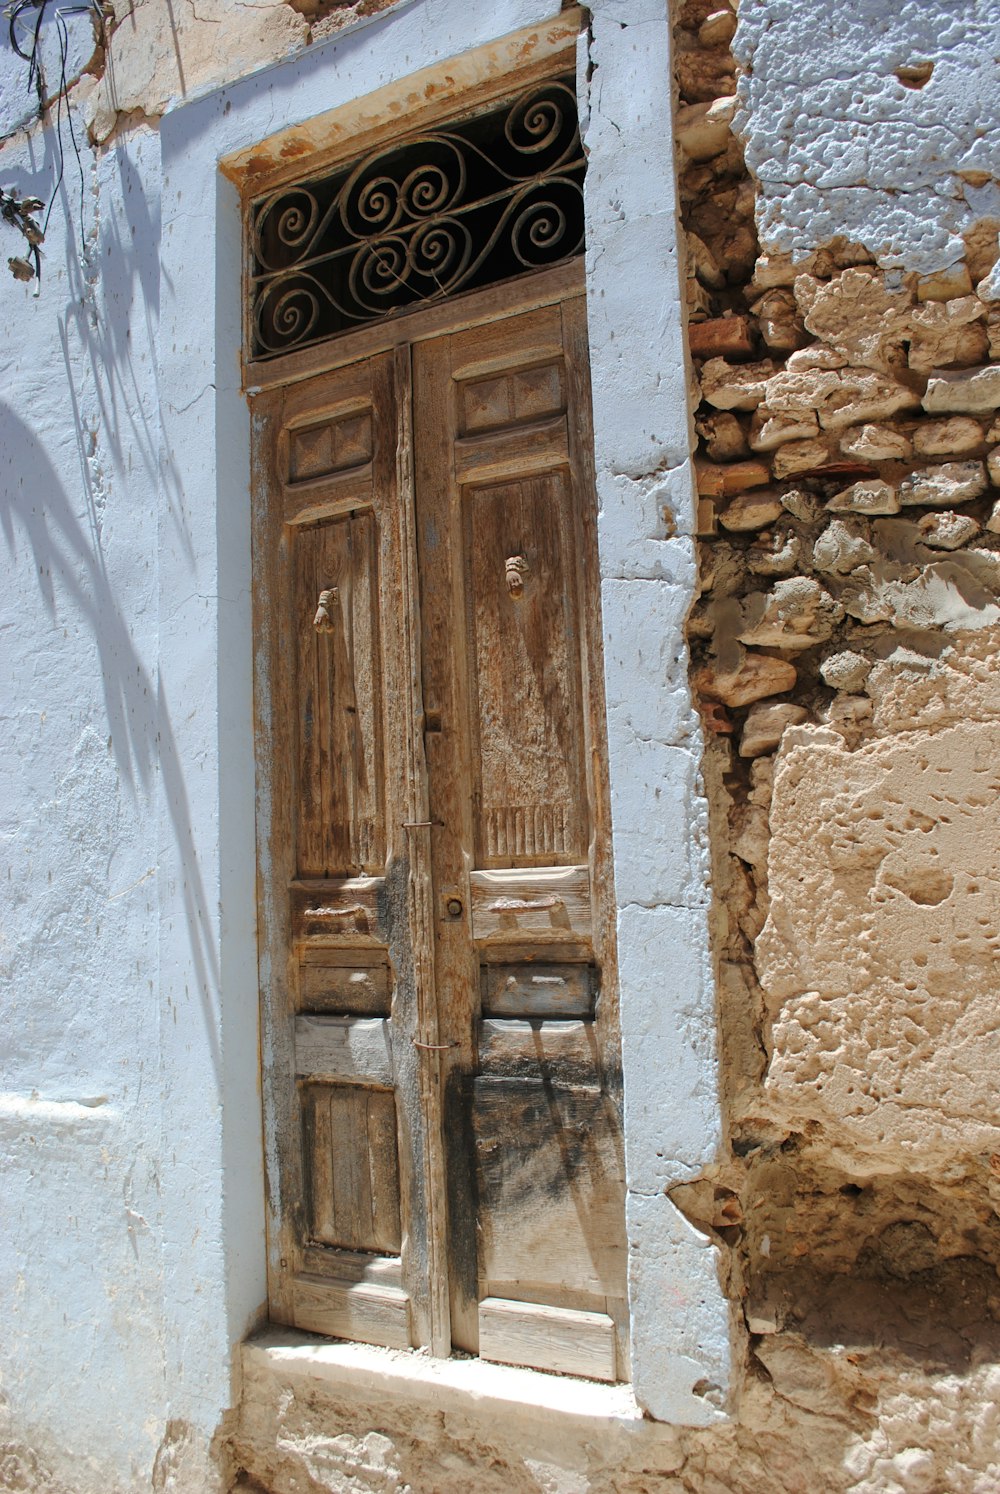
[[844, 647]]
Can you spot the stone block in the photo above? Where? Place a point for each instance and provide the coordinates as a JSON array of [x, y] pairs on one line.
[[705, 264], [975, 390], [948, 335], [842, 548], [993, 466], [646, 685], [723, 437], [769, 430], [636, 342], [643, 524], [667, 1017], [721, 337], [655, 806], [945, 285], [704, 130], [754, 510], [724, 480], [797, 458], [765, 725], [846, 670], [957, 435], [735, 387], [947, 530], [680, 1335], [869, 497], [944, 486], [876, 443], [754, 677], [795, 614], [878, 958], [779, 320], [857, 315]]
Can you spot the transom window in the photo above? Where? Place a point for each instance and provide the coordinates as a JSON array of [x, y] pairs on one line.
[[446, 210]]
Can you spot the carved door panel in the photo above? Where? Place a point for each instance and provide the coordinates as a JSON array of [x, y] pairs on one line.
[[351, 1163], [515, 759], [437, 962]]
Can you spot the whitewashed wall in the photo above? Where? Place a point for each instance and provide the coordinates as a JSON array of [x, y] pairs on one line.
[[81, 1121], [840, 146], [131, 1256]]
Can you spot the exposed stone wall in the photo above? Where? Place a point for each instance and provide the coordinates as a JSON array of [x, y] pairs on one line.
[[845, 650]]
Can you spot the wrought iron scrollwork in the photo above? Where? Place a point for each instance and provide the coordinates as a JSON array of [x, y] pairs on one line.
[[438, 212]]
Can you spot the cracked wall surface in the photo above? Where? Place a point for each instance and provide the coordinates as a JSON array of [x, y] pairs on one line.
[[818, 861], [843, 328]]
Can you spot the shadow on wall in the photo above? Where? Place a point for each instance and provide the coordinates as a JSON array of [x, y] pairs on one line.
[[70, 566], [107, 334]]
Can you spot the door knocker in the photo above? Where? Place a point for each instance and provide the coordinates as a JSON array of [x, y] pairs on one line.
[[516, 571], [323, 621]]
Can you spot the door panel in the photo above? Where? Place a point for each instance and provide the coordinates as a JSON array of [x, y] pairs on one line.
[[524, 674], [349, 1135], [515, 755], [340, 799], [348, 1176], [436, 904]]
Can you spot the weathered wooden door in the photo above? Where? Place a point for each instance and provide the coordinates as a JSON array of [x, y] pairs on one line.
[[436, 902]]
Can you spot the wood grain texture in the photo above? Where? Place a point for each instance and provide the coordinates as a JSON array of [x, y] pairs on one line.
[[330, 446], [436, 839], [533, 990], [354, 1048], [349, 1143], [547, 1338], [556, 1051], [501, 455], [525, 674], [427, 1047], [372, 1314], [528, 394], [340, 800], [346, 911], [329, 497], [335, 981], [346, 1266], [549, 904], [359, 921], [550, 1186]]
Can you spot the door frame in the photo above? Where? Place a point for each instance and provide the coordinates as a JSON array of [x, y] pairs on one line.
[[209, 149], [426, 1174]]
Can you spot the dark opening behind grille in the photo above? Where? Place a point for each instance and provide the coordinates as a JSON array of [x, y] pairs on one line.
[[447, 210]]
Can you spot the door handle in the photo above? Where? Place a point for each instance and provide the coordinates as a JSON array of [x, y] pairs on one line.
[[524, 904]]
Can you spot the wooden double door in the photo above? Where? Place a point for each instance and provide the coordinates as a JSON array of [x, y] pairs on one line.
[[441, 1052]]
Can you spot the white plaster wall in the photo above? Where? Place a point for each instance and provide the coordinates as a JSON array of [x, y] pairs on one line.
[[840, 147], [132, 1254], [81, 1122], [66, 38], [680, 1319], [129, 1115]]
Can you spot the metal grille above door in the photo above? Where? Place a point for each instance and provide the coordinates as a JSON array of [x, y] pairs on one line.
[[446, 210]]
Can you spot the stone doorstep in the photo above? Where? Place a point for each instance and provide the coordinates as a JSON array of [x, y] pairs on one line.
[[373, 1376]]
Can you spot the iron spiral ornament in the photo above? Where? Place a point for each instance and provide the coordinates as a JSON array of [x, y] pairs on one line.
[[438, 212]]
